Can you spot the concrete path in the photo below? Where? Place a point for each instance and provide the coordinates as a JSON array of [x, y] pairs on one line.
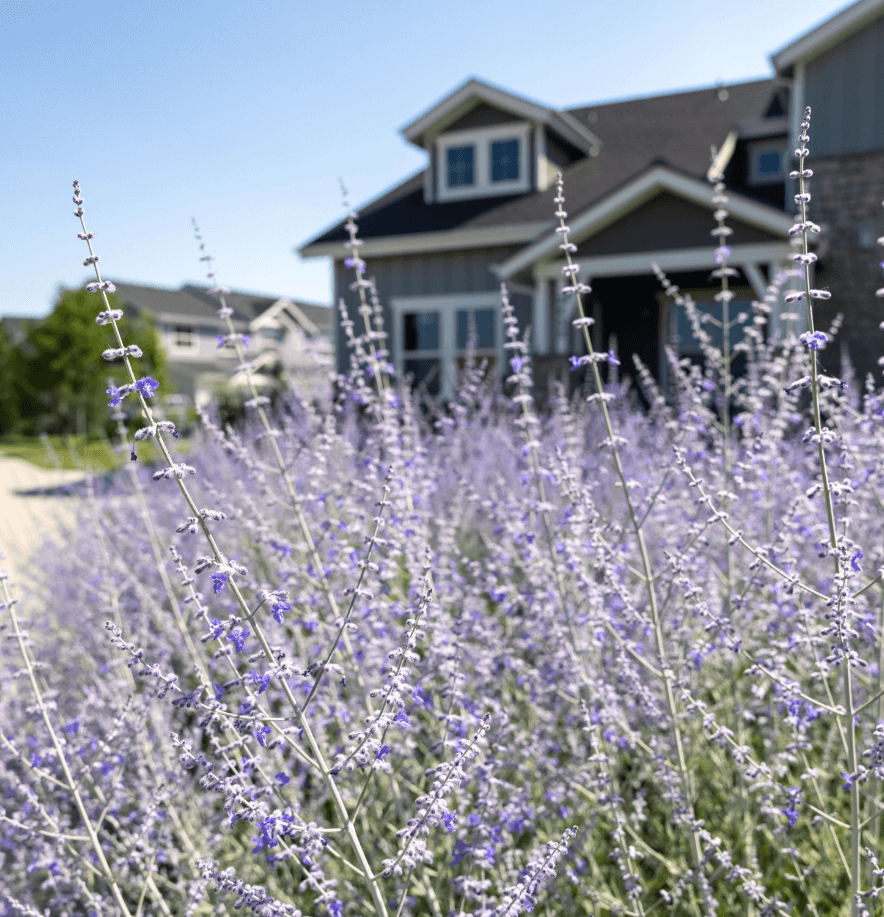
[[29, 512]]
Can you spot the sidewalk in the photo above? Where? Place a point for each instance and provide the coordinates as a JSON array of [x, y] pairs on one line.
[[29, 512]]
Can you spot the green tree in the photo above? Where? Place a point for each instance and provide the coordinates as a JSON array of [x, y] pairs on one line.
[[10, 396], [65, 375]]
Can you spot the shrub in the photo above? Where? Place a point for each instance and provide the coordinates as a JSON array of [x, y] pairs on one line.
[[446, 657]]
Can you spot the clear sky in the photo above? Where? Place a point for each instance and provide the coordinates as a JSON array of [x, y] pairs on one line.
[[246, 114]]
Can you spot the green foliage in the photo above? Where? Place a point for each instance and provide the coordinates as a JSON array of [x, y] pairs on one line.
[[10, 369], [61, 374]]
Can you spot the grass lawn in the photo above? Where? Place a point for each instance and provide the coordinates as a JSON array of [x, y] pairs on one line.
[[73, 452]]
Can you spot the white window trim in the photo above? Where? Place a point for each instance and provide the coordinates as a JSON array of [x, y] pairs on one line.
[[447, 305], [481, 140], [177, 348], [756, 150]]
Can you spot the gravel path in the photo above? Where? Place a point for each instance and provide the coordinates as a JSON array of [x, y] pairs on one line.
[[29, 512]]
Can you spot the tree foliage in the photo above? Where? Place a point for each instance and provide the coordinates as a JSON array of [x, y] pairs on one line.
[[61, 375]]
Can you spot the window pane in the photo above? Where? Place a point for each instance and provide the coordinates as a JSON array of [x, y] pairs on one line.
[[769, 164], [183, 336], [688, 344], [420, 331], [487, 366], [427, 376], [478, 324], [505, 160], [460, 166]]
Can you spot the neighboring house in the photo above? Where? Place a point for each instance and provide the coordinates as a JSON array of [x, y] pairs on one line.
[[637, 191], [290, 339]]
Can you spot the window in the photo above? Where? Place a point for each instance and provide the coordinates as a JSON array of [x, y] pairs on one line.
[[460, 166], [476, 338], [505, 160], [484, 162], [766, 162], [436, 336], [183, 337], [272, 334], [420, 350], [685, 341]]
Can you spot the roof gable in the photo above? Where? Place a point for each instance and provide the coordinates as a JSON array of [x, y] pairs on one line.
[[832, 32], [473, 94], [482, 115], [614, 224]]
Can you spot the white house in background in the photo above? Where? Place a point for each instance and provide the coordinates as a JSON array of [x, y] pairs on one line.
[[289, 338]]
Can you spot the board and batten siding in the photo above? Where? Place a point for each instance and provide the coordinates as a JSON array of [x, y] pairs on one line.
[[844, 88], [432, 274]]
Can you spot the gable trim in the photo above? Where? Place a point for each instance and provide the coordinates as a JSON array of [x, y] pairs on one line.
[[825, 36], [633, 195], [286, 310], [563, 123], [447, 240], [670, 261]]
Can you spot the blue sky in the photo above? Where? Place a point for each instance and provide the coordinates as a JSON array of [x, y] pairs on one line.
[[245, 115]]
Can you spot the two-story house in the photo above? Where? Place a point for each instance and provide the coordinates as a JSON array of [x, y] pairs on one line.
[[290, 340], [637, 192]]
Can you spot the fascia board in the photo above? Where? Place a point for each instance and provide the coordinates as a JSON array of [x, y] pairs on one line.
[[564, 123], [269, 316], [444, 240], [828, 34], [414, 131], [195, 321], [300, 319], [670, 260], [633, 195]]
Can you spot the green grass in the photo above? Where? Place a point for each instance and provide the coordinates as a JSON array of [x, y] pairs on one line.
[[74, 452]]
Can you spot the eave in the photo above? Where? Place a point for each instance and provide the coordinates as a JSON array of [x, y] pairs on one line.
[[461, 100], [646, 186], [448, 240], [827, 35]]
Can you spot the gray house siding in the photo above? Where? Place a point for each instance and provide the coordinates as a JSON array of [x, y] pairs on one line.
[[845, 90], [483, 115], [664, 222], [433, 274]]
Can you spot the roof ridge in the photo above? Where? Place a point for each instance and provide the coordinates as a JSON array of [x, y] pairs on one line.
[[641, 97]]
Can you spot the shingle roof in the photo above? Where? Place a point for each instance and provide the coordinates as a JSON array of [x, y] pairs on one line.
[[677, 129], [194, 301]]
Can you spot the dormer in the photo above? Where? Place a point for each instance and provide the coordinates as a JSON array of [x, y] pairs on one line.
[[484, 142]]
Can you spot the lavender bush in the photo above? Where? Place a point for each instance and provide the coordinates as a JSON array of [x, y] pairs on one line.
[[482, 660]]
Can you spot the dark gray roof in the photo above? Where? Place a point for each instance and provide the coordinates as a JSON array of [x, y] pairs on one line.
[[194, 302], [676, 129]]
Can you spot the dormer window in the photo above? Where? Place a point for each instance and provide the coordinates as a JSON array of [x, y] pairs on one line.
[[505, 160], [766, 162], [483, 162], [461, 166]]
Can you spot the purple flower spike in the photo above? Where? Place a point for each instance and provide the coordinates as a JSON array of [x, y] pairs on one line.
[[218, 581], [116, 398], [612, 358], [220, 340], [517, 363], [575, 363], [147, 386], [815, 341], [854, 562]]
